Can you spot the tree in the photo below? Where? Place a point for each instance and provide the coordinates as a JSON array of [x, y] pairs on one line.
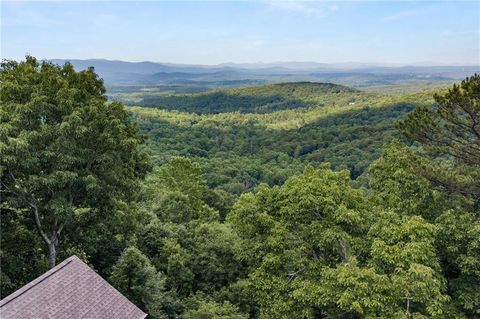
[[18, 251], [166, 245], [134, 276], [204, 309], [215, 253], [449, 136], [458, 242], [176, 192], [451, 128], [291, 232], [69, 157], [181, 174], [321, 249], [396, 185]]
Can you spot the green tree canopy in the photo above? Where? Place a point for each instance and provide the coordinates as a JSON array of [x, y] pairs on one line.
[[321, 249], [69, 157], [451, 128], [137, 278], [204, 309]]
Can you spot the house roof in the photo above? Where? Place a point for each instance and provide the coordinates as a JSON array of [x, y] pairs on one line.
[[69, 290]]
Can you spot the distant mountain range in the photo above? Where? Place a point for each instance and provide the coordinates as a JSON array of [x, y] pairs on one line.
[[121, 73]]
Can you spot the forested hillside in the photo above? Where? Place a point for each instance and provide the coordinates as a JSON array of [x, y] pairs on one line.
[[258, 143], [293, 200], [255, 99]]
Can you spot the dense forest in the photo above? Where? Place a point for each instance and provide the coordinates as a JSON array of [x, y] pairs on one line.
[[290, 200], [237, 150]]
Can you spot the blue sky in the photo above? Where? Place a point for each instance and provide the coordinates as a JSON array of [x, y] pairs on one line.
[[198, 32]]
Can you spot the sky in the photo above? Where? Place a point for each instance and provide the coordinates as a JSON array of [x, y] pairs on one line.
[[200, 32]]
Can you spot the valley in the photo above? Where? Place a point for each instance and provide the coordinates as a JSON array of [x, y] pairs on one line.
[[245, 202], [245, 136], [273, 159]]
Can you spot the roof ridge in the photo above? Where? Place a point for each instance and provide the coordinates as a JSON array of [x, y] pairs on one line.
[[37, 280], [72, 289]]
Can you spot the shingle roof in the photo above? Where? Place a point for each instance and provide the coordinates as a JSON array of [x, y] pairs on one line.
[[69, 290]]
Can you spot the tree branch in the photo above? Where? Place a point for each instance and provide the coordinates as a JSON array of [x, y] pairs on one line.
[[38, 224]]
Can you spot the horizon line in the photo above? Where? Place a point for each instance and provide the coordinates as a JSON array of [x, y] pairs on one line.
[[259, 63]]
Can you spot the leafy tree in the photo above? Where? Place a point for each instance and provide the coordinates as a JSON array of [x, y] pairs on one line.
[[290, 232], [184, 238], [215, 254], [69, 157], [176, 192], [396, 185], [321, 249], [137, 278], [168, 247], [458, 242], [204, 309], [183, 175]]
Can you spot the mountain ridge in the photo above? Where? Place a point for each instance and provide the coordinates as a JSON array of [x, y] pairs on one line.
[[123, 73]]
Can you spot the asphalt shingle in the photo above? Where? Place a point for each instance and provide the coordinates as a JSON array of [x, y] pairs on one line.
[[70, 290]]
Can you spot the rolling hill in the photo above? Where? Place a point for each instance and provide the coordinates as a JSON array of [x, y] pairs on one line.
[[246, 136], [254, 99]]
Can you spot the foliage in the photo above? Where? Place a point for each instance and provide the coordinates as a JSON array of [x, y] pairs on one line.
[[256, 99], [451, 128], [239, 151], [395, 182], [185, 239], [136, 278], [449, 135], [68, 156], [398, 187], [20, 251], [321, 249], [241, 217], [212, 310]]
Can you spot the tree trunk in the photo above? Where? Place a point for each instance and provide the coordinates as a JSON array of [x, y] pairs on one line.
[[317, 313], [52, 249]]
